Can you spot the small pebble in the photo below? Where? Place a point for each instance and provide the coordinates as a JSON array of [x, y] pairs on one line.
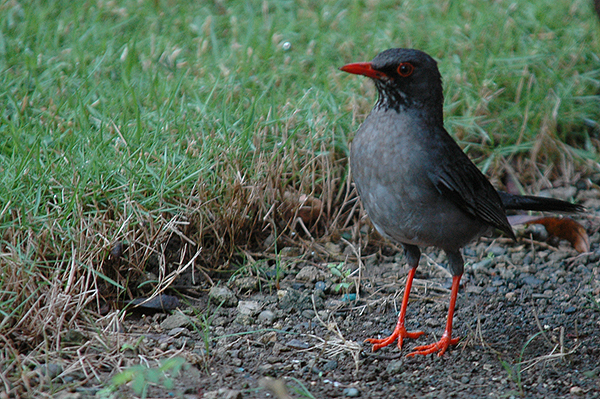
[[351, 392], [223, 393], [395, 367], [270, 336], [249, 308], [497, 250], [266, 316], [50, 370], [483, 264], [532, 281], [576, 391], [177, 320], [537, 231], [222, 295], [349, 297], [297, 344], [246, 283], [432, 322], [290, 252], [177, 331], [323, 314], [68, 379], [309, 274], [330, 365]]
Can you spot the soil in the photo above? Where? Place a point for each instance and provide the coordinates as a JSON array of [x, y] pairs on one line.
[[528, 314]]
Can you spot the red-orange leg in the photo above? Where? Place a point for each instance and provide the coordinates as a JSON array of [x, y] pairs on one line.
[[400, 331], [446, 339]]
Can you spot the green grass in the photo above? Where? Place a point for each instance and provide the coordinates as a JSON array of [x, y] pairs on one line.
[[142, 377], [117, 118]]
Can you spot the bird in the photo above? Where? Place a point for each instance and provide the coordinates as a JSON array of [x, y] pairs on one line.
[[417, 186]]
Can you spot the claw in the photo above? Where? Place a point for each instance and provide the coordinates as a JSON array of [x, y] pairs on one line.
[[439, 346], [399, 332]]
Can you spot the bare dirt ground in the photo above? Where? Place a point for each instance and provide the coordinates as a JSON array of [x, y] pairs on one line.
[[528, 315]]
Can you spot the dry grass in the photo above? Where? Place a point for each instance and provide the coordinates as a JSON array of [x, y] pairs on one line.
[[65, 278]]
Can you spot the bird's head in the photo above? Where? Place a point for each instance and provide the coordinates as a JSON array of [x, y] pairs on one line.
[[405, 79]]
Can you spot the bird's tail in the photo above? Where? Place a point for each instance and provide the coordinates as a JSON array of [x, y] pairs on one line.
[[531, 203]]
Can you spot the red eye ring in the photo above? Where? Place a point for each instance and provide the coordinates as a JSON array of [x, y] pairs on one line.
[[405, 69]]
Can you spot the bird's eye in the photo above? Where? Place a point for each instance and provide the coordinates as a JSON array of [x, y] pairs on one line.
[[405, 69]]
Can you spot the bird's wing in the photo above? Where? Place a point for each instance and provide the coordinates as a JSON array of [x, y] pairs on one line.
[[457, 178]]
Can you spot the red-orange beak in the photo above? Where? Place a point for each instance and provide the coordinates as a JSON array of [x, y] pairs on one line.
[[363, 68]]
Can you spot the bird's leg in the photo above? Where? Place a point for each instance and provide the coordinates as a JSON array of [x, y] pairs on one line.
[[446, 339], [412, 254]]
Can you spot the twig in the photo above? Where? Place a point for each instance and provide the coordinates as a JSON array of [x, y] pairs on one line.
[[537, 321], [357, 253]]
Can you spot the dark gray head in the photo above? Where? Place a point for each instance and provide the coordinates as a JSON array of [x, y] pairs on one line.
[[405, 79]]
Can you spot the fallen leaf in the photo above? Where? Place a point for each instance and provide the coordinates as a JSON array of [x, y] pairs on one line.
[[566, 229], [306, 207], [310, 209]]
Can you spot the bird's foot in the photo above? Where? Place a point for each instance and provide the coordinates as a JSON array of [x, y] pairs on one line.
[[439, 346], [399, 332]]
